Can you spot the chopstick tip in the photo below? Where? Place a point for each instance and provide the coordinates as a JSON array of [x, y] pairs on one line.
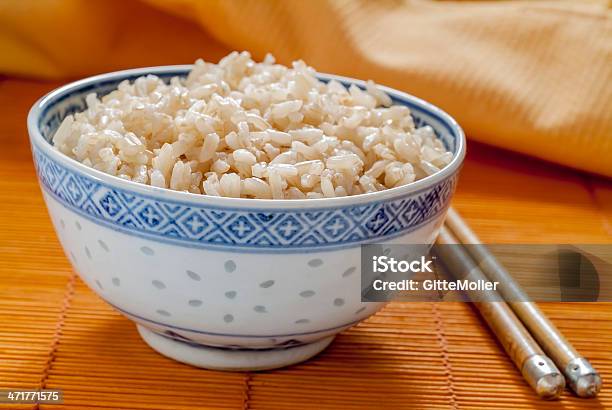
[[550, 386], [583, 378], [588, 385], [543, 376]]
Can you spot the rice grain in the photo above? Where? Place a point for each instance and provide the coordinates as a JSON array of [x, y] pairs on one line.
[[252, 130]]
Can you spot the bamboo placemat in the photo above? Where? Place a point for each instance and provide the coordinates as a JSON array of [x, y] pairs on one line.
[[55, 333]]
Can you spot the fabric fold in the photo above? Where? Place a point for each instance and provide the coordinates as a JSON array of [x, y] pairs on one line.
[[534, 77]]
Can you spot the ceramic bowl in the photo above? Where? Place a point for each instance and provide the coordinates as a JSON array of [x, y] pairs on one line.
[[228, 283]]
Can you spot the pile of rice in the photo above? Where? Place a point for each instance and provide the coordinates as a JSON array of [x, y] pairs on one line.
[[252, 130]]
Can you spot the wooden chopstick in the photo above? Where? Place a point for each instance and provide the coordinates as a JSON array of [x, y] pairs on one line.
[[583, 379], [537, 369]]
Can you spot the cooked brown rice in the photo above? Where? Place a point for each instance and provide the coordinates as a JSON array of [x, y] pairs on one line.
[[252, 130]]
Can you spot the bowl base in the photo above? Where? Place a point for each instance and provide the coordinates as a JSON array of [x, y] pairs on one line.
[[229, 359]]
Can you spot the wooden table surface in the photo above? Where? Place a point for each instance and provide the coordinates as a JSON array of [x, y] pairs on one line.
[[57, 334]]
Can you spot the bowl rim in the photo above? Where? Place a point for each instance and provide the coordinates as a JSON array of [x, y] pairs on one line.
[[165, 194]]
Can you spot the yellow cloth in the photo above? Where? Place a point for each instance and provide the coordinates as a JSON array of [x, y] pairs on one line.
[[534, 77]]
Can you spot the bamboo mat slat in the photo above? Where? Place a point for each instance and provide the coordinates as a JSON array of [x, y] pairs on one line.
[[57, 334]]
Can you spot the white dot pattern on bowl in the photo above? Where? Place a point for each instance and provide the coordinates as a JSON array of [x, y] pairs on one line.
[[349, 271], [78, 225], [307, 293], [193, 275], [73, 257], [159, 284], [63, 224], [103, 245], [315, 263], [163, 312], [147, 251], [230, 266], [266, 284]]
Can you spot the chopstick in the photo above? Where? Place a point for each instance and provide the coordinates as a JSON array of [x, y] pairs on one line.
[[537, 369], [581, 375]]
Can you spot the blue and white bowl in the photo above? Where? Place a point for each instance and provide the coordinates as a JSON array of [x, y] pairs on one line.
[[228, 283]]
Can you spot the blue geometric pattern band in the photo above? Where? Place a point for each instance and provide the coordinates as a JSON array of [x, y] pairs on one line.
[[207, 226]]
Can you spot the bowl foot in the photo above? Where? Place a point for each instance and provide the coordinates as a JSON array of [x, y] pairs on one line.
[[231, 359]]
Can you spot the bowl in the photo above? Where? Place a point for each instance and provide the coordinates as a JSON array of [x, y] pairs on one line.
[[229, 283]]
